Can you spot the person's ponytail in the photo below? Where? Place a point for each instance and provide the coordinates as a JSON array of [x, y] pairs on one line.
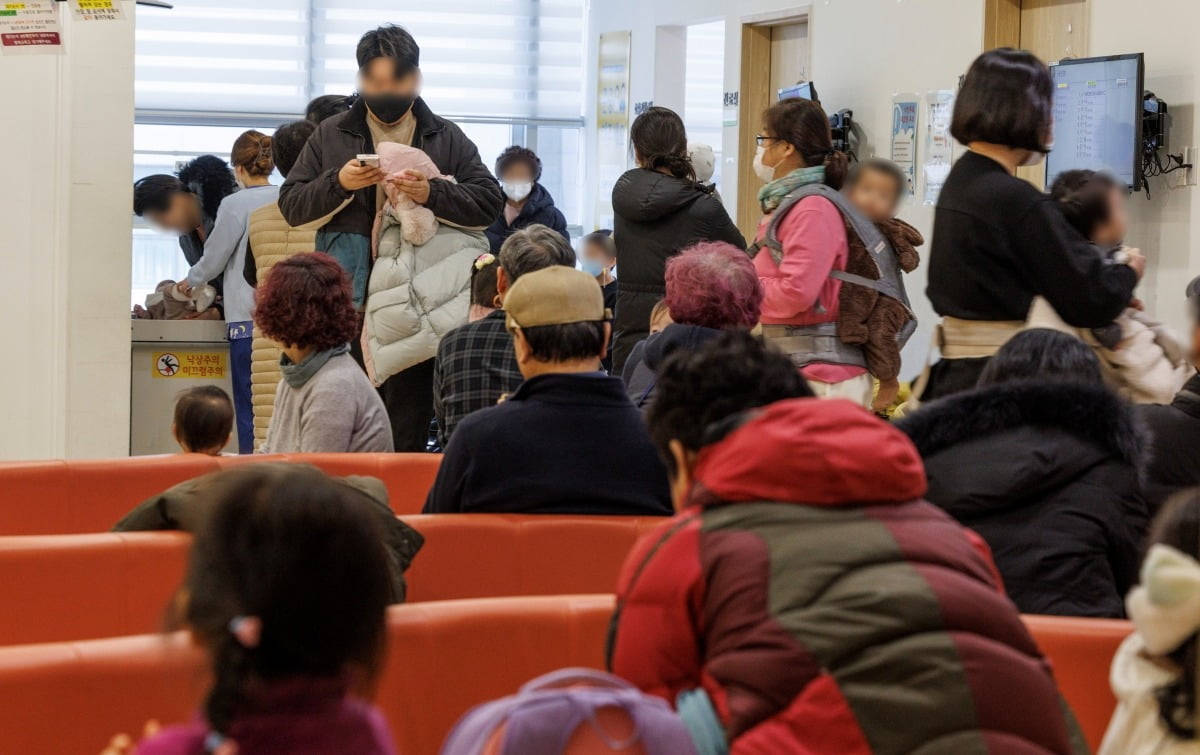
[[837, 165], [232, 665], [677, 165]]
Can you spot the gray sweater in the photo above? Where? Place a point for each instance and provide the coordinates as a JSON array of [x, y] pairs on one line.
[[336, 411]]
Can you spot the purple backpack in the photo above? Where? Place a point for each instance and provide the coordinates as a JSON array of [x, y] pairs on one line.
[[576, 711]]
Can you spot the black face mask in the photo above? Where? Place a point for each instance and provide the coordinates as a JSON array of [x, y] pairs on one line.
[[389, 108]]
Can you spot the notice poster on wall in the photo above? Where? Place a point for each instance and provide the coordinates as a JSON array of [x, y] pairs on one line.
[[939, 144], [612, 120], [30, 27], [97, 10], [904, 137]]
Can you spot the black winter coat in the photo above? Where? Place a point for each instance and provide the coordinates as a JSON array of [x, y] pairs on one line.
[[1048, 475], [312, 191], [538, 208], [657, 216], [1175, 435], [997, 243]]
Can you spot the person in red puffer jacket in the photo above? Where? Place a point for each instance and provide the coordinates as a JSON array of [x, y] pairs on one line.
[[806, 599]]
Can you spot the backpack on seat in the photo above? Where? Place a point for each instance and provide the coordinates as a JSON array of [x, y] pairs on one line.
[[572, 711]]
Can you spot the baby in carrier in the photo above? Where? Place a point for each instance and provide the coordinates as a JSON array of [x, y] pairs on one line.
[[1140, 356], [866, 316]]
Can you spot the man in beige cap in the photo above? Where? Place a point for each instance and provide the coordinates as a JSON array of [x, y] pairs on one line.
[[568, 440]]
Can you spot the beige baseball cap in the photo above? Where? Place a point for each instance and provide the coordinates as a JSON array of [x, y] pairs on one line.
[[557, 295]]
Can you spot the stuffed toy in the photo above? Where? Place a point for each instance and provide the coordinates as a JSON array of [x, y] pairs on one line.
[[417, 223]]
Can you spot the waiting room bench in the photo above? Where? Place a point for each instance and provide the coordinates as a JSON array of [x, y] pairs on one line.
[[58, 588], [69, 497], [443, 658]]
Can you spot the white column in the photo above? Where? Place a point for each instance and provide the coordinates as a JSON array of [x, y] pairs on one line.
[[65, 205]]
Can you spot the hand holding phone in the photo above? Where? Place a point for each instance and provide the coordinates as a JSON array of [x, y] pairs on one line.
[[368, 160], [356, 175]]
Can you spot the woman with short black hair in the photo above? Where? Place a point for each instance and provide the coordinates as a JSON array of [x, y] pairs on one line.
[[526, 201], [997, 240]]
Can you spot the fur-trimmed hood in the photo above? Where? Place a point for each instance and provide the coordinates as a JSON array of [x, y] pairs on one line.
[[209, 178], [1092, 413]]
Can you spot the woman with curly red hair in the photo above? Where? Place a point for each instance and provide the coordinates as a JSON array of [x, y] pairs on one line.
[[325, 402], [711, 287]]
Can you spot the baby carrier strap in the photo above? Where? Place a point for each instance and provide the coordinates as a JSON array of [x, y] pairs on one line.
[[891, 277]]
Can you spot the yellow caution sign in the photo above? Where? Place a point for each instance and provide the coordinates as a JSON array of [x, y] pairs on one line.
[[201, 365]]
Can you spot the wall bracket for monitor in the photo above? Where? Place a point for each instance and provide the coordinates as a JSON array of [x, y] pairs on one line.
[[1155, 121]]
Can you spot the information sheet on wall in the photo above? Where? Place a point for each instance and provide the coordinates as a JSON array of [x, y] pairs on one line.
[[904, 137], [612, 120], [97, 10], [939, 144], [30, 27]]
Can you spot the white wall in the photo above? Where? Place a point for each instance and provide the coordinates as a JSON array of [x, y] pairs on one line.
[[65, 241], [863, 52], [1163, 227]]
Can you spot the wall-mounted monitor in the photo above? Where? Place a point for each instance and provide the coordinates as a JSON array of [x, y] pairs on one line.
[[805, 91], [1098, 117]]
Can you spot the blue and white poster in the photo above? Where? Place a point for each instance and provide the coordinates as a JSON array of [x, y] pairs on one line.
[[904, 137]]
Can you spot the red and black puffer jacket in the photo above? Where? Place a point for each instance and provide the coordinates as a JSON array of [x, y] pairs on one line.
[[825, 608]]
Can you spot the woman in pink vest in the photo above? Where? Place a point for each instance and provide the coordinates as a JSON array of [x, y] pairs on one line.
[[800, 303]]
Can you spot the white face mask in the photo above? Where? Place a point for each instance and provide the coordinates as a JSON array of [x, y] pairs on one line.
[[1036, 158], [517, 191], [765, 173]]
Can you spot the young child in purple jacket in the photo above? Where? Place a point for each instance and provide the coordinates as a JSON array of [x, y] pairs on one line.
[[287, 590]]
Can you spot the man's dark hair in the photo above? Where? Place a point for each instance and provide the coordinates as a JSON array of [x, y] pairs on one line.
[[1083, 197], [210, 178], [534, 248], [153, 193], [1006, 98], [878, 165], [566, 343], [389, 41], [1043, 354], [516, 154], [699, 390], [326, 106], [203, 418], [289, 140]]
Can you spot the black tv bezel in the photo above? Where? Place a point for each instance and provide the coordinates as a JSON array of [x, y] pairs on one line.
[[1140, 57]]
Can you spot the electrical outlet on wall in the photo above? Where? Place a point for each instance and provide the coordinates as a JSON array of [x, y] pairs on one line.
[[1188, 175]]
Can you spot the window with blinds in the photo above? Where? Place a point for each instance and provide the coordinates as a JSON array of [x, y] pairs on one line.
[[502, 59]]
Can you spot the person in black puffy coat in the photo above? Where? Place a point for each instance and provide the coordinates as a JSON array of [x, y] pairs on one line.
[[659, 209], [1044, 462]]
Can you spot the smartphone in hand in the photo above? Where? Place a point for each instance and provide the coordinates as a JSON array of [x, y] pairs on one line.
[[365, 160]]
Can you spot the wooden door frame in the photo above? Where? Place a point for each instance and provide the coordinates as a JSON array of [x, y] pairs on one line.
[[1001, 24], [754, 96]]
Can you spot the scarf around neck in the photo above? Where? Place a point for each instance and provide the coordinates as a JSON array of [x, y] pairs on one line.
[[296, 375], [771, 195]]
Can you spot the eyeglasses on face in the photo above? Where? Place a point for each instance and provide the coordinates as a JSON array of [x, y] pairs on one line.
[[759, 139]]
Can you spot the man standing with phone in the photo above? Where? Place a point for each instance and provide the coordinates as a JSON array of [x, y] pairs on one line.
[[329, 177]]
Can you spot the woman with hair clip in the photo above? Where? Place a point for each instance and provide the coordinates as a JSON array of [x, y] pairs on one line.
[[660, 210], [225, 253], [800, 299], [1154, 672], [997, 240]]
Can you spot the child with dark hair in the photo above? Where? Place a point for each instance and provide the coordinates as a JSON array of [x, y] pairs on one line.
[[1154, 672], [865, 316], [526, 201], [1141, 357], [203, 420], [485, 296], [287, 590]]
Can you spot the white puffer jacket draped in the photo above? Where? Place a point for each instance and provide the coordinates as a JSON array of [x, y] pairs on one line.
[[416, 295]]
